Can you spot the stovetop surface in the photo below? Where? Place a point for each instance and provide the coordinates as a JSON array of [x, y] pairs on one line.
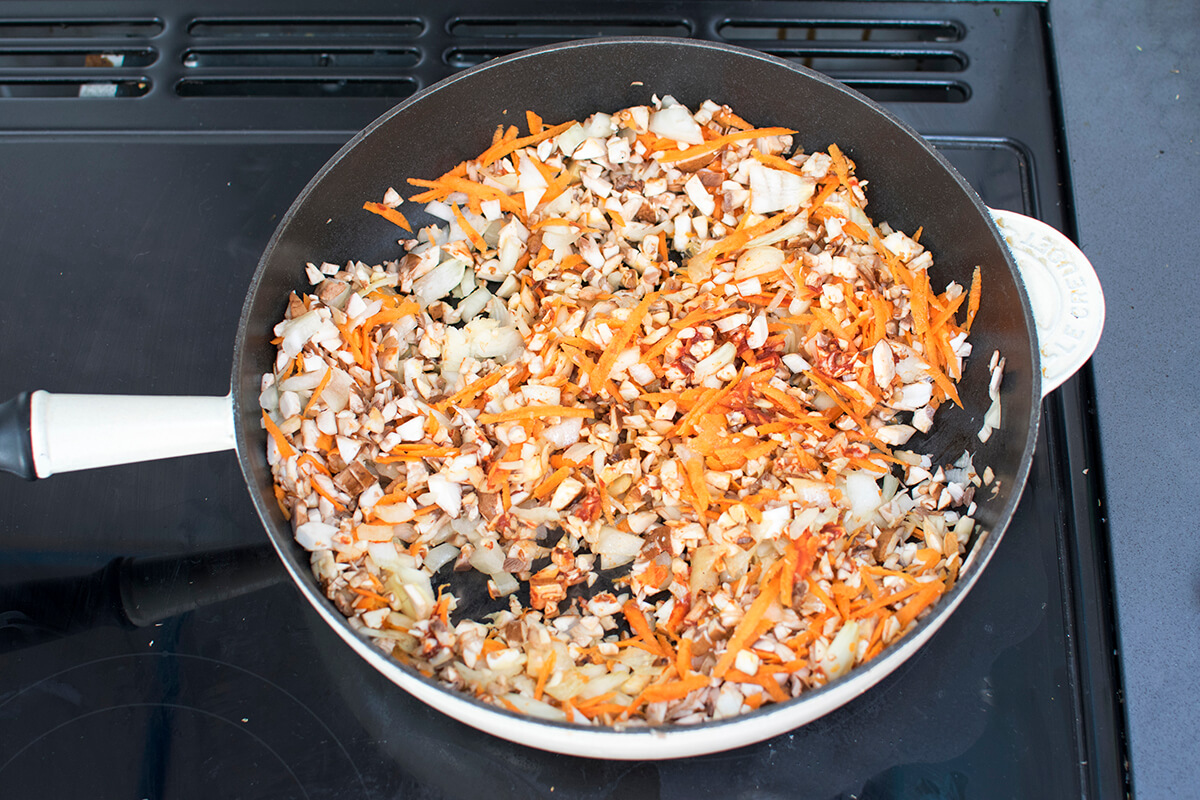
[[147, 635]]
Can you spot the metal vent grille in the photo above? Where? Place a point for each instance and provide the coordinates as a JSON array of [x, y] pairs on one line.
[[75, 58], [233, 67], [351, 57]]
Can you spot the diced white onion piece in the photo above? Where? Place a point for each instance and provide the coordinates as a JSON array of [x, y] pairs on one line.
[[570, 139], [473, 304], [488, 557], [439, 281], [793, 227], [599, 126], [796, 363], [394, 513], [617, 547], [437, 208], [774, 521], [315, 535], [883, 363], [811, 492], [440, 556], [757, 336], [758, 261], [912, 396], [839, 656], [895, 434], [565, 493], [676, 123], [862, 491], [775, 190], [304, 382], [699, 196], [535, 708], [447, 494], [385, 555], [565, 433], [299, 331]]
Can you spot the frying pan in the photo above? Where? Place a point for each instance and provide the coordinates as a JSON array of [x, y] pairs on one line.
[[911, 185]]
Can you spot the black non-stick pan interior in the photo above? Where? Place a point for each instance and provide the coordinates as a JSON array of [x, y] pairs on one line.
[[909, 186]]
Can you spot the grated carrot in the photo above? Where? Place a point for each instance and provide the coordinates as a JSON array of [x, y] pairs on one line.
[[620, 339], [671, 690], [973, 301], [316, 395], [281, 443], [536, 412], [713, 145], [472, 234], [390, 214], [639, 625], [546, 487], [544, 675], [747, 628], [928, 593]]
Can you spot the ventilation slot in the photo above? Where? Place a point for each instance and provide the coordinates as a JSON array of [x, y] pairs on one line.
[[303, 58], [557, 30], [89, 58], [463, 57], [305, 28], [845, 30], [857, 59], [395, 88], [79, 28], [904, 91], [15, 88]]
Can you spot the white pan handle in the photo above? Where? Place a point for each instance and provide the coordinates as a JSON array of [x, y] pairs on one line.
[[1064, 291], [70, 432]]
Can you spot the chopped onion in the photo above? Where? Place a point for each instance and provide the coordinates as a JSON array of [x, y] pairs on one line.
[[446, 493], [865, 498], [440, 556], [617, 547], [488, 557], [565, 433], [676, 122], [439, 281], [314, 535], [504, 583], [775, 190], [839, 656]]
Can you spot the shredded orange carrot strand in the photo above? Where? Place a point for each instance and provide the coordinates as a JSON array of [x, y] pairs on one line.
[[747, 628], [671, 690], [390, 214], [544, 675], [683, 657], [928, 593], [281, 442], [551, 483], [500, 150], [639, 625], [316, 485], [316, 395], [973, 301], [472, 234], [713, 145], [620, 339], [536, 412]]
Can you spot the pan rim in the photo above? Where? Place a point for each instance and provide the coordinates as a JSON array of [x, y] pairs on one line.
[[641, 742]]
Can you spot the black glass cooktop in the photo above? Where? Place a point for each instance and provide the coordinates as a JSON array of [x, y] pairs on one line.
[[150, 644]]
